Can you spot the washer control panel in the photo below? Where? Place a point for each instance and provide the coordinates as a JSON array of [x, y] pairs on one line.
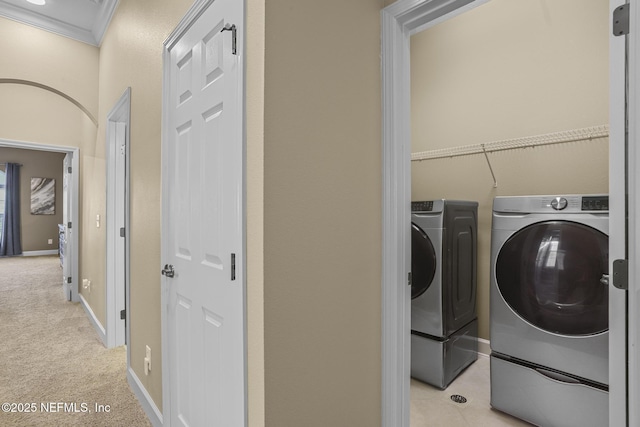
[[569, 203], [598, 203], [574, 204]]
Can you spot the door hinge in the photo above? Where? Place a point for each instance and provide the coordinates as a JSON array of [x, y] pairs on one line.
[[122, 232], [410, 279], [123, 314], [69, 169], [233, 30], [621, 274], [69, 224], [68, 279], [621, 20], [233, 266]]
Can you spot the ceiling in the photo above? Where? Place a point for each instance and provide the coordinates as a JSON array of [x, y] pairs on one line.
[[83, 20]]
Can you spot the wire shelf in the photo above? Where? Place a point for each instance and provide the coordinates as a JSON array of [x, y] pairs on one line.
[[574, 135]]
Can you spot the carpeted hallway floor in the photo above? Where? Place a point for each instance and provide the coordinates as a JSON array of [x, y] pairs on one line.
[[52, 362]]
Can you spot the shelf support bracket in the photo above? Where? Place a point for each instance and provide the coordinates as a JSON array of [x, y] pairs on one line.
[[495, 183]]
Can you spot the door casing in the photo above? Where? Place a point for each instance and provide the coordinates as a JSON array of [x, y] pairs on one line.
[[67, 217], [399, 21], [632, 236], [617, 229], [117, 267]]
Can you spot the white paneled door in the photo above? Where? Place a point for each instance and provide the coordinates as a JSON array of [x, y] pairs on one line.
[[202, 219]]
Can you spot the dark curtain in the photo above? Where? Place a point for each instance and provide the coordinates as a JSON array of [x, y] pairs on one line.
[[10, 243]]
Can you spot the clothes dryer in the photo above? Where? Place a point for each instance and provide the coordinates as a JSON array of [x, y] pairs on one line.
[[443, 308], [549, 309]]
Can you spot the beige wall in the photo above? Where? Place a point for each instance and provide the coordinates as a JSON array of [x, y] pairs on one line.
[[508, 70], [62, 63], [329, 326], [322, 213], [313, 189], [35, 115], [37, 229], [131, 56], [313, 164]]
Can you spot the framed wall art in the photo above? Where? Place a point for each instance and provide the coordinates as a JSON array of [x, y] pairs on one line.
[[43, 196]]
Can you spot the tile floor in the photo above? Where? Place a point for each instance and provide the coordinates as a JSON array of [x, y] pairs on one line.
[[432, 407]]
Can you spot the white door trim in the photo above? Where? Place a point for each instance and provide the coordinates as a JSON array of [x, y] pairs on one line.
[[399, 21], [633, 240], [196, 10], [617, 230], [72, 246], [116, 294]]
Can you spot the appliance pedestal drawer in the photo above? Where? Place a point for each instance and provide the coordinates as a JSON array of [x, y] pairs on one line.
[[546, 398]]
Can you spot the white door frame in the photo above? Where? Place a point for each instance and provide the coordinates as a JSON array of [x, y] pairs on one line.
[[633, 238], [117, 268], [400, 20], [66, 219], [72, 246], [617, 231], [197, 9]]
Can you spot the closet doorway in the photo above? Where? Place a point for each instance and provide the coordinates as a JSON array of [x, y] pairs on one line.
[[401, 20]]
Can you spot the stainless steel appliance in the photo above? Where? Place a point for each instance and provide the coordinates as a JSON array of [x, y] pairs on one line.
[[444, 326], [549, 309]]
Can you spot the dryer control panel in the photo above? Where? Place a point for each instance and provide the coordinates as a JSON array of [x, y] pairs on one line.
[[422, 206]]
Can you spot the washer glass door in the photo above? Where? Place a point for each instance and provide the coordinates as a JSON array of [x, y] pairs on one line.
[[552, 275], [423, 261]]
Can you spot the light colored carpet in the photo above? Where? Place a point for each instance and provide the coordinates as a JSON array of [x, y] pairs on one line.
[[50, 355]]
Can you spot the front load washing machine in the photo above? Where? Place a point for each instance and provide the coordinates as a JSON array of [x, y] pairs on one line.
[[444, 326], [549, 309]]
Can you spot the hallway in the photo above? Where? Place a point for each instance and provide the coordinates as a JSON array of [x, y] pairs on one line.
[[55, 370]]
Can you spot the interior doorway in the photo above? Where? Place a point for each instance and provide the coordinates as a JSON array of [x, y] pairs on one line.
[[117, 269], [71, 208], [399, 21]]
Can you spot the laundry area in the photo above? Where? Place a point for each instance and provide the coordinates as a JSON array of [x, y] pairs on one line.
[[509, 191]]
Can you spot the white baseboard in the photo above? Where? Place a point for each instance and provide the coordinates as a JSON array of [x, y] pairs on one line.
[[40, 253], [149, 407], [94, 320], [484, 347]]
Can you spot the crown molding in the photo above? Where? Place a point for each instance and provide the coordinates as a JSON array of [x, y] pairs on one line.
[[92, 36]]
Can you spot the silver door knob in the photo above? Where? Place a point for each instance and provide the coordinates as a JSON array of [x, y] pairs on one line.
[[168, 270], [605, 279]]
